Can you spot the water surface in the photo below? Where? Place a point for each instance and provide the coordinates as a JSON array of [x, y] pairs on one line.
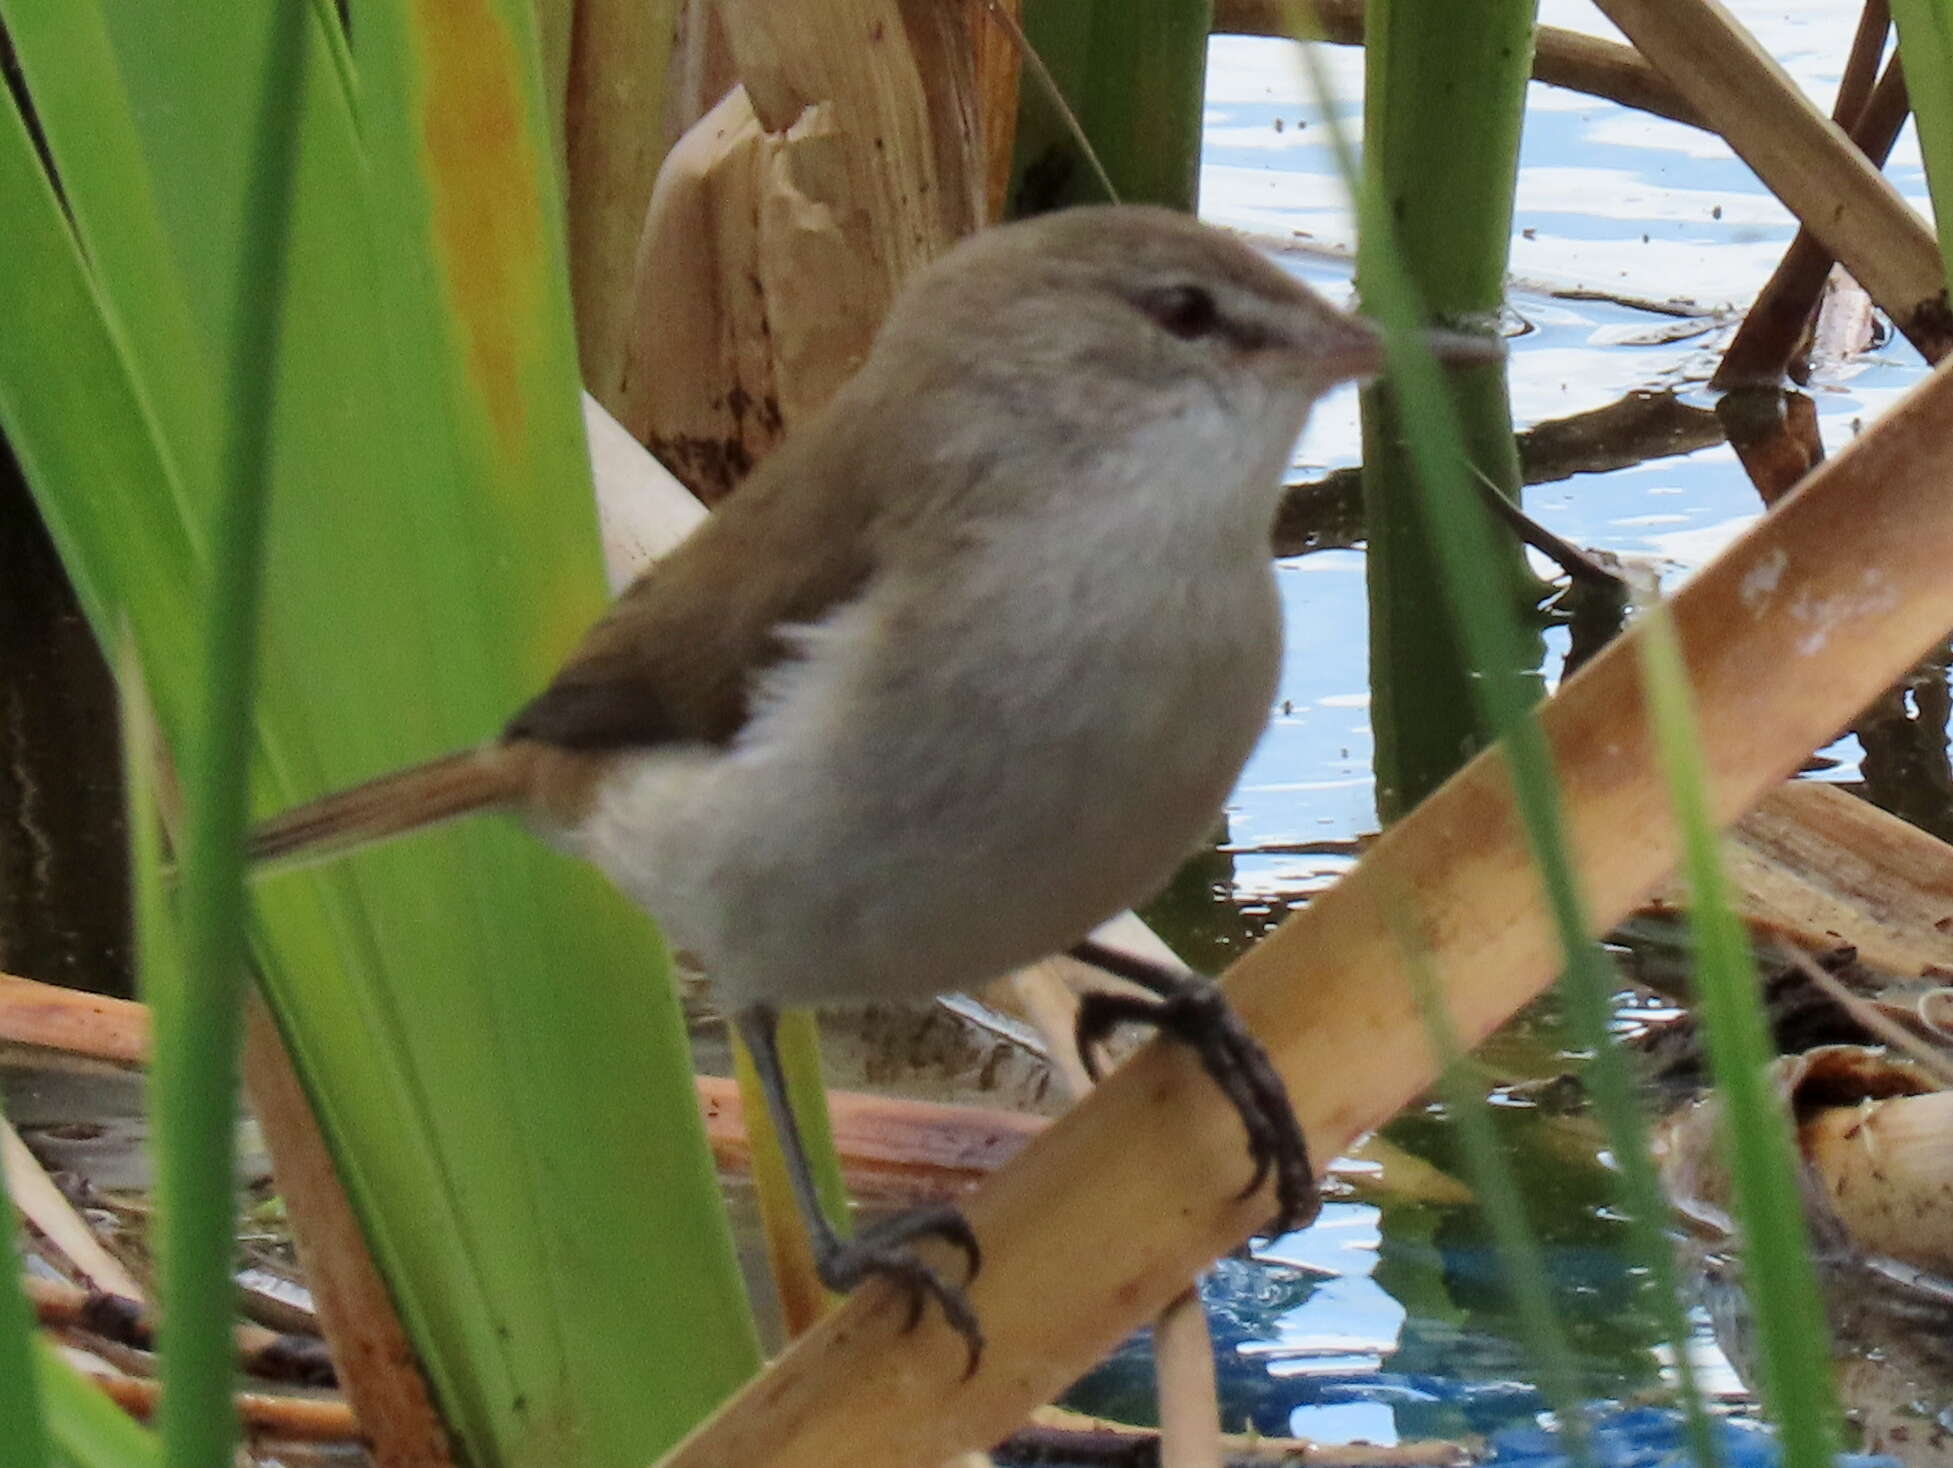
[[1390, 1320]]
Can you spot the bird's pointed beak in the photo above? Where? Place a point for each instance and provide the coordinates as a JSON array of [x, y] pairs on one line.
[[1464, 348], [1355, 352], [1352, 351]]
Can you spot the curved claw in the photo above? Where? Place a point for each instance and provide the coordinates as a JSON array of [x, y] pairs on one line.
[[957, 1231], [1092, 1025], [1100, 1012], [1263, 1160], [1236, 1061], [884, 1250], [942, 1221], [1192, 1010], [1088, 1051]]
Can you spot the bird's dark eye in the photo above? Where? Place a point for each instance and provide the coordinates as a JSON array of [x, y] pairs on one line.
[[1187, 311]]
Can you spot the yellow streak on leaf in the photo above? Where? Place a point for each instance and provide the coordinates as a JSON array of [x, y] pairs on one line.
[[483, 170]]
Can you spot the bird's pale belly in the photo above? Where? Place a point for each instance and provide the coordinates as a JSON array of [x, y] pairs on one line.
[[942, 878], [828, 860], [993, 891]]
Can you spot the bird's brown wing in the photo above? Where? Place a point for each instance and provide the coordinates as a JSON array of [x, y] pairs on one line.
[[675, 658], [673, 661]]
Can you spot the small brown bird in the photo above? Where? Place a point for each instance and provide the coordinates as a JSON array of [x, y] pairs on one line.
[[965, 668]]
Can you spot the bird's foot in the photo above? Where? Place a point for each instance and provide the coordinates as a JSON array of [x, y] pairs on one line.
[[1192, 1009], [883, 1250]]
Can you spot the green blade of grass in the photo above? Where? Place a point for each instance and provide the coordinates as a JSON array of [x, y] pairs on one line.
[[156, 918], [1587, 988], [484, 1027], [49, 297], [198, 1019], [1778, 1279], [89, 1430], [43, 1403], [24, 1440], [1499, 1195], [67, 57], [460, 158], [1926, 46]]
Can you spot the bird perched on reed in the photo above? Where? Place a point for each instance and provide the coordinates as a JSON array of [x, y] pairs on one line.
[[963, 669]]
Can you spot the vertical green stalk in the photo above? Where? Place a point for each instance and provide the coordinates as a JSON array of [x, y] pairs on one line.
[[789, 1246], [800, 1057], [1444, 99], [1778, 1278], [1926, 46], [198, 1018], [1444, 102], [154, 917], [1135, 72], [1476, 584], [23, 1439]]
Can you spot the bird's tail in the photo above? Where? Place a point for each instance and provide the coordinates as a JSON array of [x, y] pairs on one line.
[[493, 777]]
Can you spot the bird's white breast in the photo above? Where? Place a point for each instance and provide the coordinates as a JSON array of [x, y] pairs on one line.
[[966, 769]]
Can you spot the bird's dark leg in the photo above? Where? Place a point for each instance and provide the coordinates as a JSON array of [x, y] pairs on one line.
[[1192, 1009], [881, 1250]]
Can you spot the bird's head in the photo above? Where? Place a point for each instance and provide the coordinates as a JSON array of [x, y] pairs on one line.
[[1144, 303]]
